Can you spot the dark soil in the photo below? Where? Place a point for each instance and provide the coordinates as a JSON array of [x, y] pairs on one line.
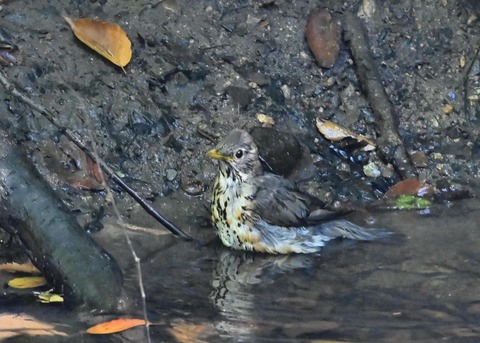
[[218, 64]]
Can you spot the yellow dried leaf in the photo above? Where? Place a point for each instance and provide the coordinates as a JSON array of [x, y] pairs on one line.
[[447, 109], [26, 267], [332, 131], [27, 282], [108, 39], [49, 297], [335, 133], [116, 325]]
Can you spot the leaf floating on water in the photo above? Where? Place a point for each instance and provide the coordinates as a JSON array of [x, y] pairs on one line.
[[185, 332], [411, 187], [335, 133], [49, 297], [20, 324], [116, 325], [26, 267], [27, 282], [409, 202], [108, 39]]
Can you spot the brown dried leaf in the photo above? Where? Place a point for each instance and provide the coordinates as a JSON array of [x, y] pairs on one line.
[[108, 39], [93, 177], [412, 187], [335, 133], [323, 33]]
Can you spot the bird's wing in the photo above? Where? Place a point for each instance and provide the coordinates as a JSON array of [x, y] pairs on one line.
[[278, 202]]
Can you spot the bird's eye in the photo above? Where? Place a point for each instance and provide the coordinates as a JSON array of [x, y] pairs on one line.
[[239, 154]]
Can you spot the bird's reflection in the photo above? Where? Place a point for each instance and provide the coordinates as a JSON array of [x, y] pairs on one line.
[[234, 279]]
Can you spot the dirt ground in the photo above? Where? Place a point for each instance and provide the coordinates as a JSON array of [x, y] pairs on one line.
[[217, 64]]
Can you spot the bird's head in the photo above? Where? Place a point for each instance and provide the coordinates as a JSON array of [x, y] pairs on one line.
[[239, 152]]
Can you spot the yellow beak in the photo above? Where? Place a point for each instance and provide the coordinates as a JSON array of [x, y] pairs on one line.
[[214, 153]]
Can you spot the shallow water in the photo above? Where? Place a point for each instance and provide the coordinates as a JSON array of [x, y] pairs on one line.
[[421, 285]]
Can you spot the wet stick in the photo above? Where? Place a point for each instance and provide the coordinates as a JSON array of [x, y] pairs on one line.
[[138, 265], [111, 174], [390, 144]]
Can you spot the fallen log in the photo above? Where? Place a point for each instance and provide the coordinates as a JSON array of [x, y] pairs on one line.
[[58, 246]]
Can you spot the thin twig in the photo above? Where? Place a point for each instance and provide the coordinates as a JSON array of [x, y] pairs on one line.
[[138, 265], [466, 108], [111, 174]]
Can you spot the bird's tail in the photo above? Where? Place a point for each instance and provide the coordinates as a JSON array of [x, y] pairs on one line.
[[344, 229]]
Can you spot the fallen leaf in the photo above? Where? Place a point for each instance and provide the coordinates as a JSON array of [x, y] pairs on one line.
[[96, 171], [335, 133], [410, 202], [323, 33], [411, 187], [27, 282], [402, 202], [93, 177], [187, 333], [447, 109], [116, 325], [108, 39], [19, 324], [26, 267], [48, 297]]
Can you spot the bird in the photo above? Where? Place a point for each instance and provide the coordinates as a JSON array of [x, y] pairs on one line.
[[259, 211]]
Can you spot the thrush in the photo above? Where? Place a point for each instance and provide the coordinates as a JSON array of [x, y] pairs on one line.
[[260, 211]]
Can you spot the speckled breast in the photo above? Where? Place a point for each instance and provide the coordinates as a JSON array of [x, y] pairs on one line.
[[232, 215]]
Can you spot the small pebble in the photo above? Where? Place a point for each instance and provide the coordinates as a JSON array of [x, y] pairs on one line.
[[367, 9], [371, 170], [171, 174], [265, 119], [285, 91], [387, 171], [170, 5], [419, 159], [471, 20], [330, 81], [193, 187]]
